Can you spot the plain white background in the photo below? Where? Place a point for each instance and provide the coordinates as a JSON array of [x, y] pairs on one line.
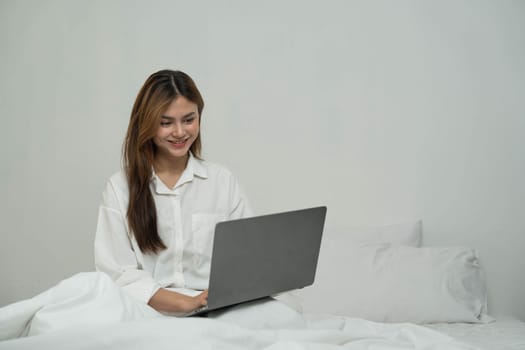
[[381, 110]]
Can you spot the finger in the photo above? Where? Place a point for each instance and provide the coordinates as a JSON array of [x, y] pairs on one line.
[[204, 298]]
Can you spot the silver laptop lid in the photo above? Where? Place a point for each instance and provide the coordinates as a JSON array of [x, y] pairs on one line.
[[260, 256]]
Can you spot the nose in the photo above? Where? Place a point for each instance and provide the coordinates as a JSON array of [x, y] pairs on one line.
[[178, 130]]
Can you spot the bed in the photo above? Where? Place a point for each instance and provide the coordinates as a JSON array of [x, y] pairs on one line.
[[376, 288], [503, 334]]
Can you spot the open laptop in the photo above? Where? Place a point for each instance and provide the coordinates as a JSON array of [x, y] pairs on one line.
[[260, 256]]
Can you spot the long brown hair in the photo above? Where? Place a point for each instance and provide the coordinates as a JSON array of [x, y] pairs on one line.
[[139, 150]]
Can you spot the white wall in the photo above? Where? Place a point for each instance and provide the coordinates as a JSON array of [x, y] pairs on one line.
[[382, 110]]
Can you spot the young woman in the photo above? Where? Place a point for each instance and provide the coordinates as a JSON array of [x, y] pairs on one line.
[[157, 216]]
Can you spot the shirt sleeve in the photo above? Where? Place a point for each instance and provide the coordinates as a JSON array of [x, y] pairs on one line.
[[114, 252], [240, 206]]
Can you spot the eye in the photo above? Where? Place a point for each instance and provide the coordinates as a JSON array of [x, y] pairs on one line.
[[165, 123], [189, 120]]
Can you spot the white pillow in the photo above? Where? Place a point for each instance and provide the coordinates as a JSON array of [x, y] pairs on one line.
[[404, 233], [393, 283]]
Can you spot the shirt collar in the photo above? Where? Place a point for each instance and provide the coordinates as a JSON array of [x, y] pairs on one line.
[[194, 167]]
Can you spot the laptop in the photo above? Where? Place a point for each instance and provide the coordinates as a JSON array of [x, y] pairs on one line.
[[260, 256]]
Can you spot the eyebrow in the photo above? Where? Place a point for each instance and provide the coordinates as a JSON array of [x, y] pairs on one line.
[[183, 117]]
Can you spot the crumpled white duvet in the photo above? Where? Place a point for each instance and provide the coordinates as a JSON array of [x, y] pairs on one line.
[[88, 311]]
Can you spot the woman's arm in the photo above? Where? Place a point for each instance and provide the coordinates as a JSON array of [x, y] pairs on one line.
[[114, 253], [168, 301]]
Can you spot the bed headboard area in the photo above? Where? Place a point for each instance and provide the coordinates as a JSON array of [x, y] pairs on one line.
[[389, 114]]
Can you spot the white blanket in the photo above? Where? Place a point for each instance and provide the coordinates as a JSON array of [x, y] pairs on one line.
[[88, 311]]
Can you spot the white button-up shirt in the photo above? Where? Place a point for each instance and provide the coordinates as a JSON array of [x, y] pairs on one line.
[[205, 194]]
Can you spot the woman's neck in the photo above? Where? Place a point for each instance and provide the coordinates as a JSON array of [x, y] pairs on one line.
[[169, 165]]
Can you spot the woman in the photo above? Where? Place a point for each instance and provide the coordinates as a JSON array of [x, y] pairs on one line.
[[157, 217]]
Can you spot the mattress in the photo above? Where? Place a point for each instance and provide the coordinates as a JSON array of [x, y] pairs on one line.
[[503, 334]]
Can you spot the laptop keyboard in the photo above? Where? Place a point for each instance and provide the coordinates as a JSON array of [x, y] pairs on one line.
[[191, 313]]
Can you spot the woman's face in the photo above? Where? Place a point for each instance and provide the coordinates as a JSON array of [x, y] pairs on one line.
[[178, 129]]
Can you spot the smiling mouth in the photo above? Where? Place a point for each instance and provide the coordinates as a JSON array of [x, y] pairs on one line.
[[180, 143]]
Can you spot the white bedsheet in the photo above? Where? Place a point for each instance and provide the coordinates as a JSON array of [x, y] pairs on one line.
[[88, 311], [503, 334]]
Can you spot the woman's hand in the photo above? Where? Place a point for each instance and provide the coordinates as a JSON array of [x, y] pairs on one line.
[[167, 301], [195, 302]]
